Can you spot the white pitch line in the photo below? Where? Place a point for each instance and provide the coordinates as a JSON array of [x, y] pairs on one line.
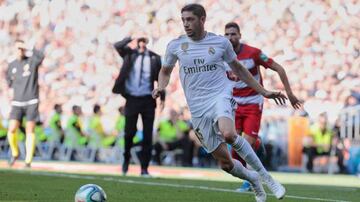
[[112, 179]]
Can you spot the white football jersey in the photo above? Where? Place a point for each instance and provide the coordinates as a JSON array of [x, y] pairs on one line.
[[202, 69]]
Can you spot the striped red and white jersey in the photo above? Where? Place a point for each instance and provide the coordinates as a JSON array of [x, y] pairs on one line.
[[251, 58]]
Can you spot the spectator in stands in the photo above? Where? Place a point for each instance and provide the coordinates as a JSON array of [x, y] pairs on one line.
[[3, 130], [120, 121], [135, 83], [97, 133], [117, 136], [39, 132], [320, 141], [174, 134], [74, 130], [57, 132]]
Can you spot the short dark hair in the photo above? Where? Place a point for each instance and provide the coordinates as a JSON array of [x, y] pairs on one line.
[[142, 39], [196, 9], [96, 108], [57, 106], [232, 25], [75, 108]]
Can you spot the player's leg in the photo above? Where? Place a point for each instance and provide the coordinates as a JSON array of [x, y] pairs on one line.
[[32, 115], [247, 122], [239, 122], [16, 115], [131, 117], [29, 142], [244, 149], [235, 168], [148, 116], [12, 138]]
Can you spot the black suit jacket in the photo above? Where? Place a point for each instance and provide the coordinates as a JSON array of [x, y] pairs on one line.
[[129, 56]]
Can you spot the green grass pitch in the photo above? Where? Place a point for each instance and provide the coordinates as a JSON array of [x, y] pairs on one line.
[[24, 185]]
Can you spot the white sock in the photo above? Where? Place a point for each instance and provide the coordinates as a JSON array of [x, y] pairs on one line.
[[246, 152], [241, 172]]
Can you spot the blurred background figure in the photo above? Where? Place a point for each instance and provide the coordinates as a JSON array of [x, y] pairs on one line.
[[173, 134], [57, 132], [135, 83], [74, 135], [22, 77], [319, 143]]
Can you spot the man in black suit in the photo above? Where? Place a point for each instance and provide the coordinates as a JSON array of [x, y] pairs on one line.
[[135, 83]]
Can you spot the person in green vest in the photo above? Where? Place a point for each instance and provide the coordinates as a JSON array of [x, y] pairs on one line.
[[173, 133], [97, 133], [39, 132], [98, 137], [321, 136], [74, 133], [57, 132], [120, 129], [3, 131]]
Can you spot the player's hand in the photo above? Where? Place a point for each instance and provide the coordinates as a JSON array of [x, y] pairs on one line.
[[296, 103], [279, 98], [162, 105], [231, 76], [157, 92]]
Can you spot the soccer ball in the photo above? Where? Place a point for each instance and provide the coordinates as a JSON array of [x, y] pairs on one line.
[[90, 193]]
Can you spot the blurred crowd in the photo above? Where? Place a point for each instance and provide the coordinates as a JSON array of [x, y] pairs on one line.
[[316, 41]]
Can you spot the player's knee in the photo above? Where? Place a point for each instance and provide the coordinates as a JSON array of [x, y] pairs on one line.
[[226, 165], [12, 128], [229, 136]]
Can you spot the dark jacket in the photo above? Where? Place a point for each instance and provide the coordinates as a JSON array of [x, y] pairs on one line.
[[129, 56]]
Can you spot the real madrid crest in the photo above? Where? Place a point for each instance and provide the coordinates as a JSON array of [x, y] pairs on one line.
[[184, 47], [211, 51], [26, 70]]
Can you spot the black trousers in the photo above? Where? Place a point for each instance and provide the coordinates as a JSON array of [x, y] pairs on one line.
[[312, 153], [145, 106], [184, 143]]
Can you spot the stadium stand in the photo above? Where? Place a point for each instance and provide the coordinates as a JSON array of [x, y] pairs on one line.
[[316, 41]]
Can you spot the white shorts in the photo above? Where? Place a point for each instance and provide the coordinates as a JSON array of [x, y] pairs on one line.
[[206, 127]]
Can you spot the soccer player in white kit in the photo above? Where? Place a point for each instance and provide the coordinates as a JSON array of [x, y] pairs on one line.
[[202, 56]]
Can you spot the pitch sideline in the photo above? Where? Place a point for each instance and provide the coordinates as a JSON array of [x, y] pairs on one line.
[[112, 179]]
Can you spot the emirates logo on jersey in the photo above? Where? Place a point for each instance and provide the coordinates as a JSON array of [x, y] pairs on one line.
[[211, 51], [184, 46]]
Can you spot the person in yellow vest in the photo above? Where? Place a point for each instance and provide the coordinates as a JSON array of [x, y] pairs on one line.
[[75, 135], [320, 144], [97, 133], [3, 130], [57, 131], [173, 133]]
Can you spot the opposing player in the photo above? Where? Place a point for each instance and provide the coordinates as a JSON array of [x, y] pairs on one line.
[[22, 76], [208, 93], [250, 102]]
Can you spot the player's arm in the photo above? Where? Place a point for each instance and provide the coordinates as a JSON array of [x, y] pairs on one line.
[[9, 79], [163, 81], [167, 66], [38, 56], [244, 75], [122, 48], [284, 79]]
